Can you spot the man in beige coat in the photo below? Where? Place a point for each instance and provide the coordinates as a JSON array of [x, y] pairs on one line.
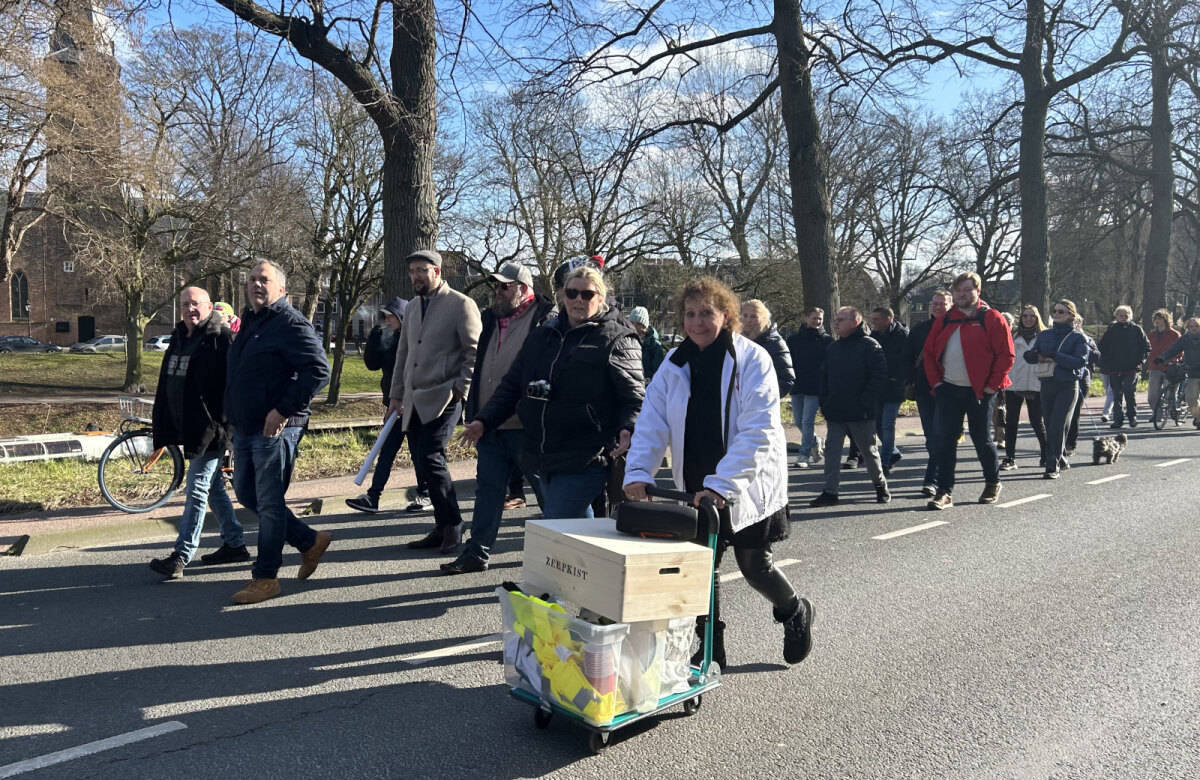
[[434, 363]]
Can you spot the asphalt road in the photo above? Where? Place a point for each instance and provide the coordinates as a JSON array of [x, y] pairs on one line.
[[1054, 638]]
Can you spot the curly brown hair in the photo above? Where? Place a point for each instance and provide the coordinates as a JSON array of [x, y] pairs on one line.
[[716, 292]]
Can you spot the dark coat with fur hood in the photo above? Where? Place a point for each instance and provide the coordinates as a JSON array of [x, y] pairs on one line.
[[204, 426]]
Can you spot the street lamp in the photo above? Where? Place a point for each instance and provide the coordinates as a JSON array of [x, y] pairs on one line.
[[28, 323]]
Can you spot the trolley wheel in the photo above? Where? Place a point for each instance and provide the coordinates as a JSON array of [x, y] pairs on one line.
[[541, 718], [136, 477], [692, 706], [597, 742]]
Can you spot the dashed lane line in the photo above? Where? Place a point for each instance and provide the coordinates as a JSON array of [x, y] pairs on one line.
[[1025, 500], [1113, 478], [912, 530], [50, 759], [1175, 462]]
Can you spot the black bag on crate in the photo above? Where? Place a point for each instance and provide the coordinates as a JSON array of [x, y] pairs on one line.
[[656, 520]]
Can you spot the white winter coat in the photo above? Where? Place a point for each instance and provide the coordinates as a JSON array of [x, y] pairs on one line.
[[754, 470], [1021, 374]]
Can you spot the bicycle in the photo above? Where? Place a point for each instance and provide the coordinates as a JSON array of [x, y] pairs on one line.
[[134, 475], [1170, 401]]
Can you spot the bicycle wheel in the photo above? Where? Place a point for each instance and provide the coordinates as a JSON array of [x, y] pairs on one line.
[[135, 477], [1163, 407]]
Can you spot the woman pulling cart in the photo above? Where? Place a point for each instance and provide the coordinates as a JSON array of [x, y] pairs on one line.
[[714, 403]]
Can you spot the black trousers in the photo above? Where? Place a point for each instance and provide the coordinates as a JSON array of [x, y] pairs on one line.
[[1012, 421], [752, 551], [1124, 402], [427, 443]]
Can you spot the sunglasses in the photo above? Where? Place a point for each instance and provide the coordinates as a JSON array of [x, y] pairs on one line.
[[1061, 311], [503, 286], [587, 295]]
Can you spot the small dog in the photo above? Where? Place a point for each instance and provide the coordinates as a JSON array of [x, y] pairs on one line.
[[1108, 448]]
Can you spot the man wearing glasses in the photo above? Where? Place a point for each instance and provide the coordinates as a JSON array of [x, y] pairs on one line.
[[434, 363], [513, 315]]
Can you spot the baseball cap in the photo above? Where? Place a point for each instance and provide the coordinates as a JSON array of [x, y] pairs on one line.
[[513, 272], [224, 308]]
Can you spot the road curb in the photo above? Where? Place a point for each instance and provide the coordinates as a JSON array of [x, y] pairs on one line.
[[139, 528]]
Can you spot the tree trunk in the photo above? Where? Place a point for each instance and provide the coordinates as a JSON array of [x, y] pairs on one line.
[[1035, 235], [312, 294], [335, 372], [409, 206], [808, 162], [327, 323], [1162, 184], [135, 323]]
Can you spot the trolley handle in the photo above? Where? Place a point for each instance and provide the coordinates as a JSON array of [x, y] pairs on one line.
[[708, 510]]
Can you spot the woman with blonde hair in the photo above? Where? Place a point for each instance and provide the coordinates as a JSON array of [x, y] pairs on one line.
[[1064, 350], [714, 403], [577, 388], [1025, 388]]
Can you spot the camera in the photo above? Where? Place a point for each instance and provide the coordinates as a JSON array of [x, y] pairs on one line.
[[538, 390]]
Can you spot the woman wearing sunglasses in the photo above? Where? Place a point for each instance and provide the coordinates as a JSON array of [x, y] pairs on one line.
[[577, 387], [715, 404], [1064, 351]]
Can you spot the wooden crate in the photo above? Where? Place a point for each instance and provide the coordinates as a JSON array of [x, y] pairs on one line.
[[586, 562]]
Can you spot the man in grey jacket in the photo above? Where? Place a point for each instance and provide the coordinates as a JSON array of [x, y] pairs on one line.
[[434, 364]]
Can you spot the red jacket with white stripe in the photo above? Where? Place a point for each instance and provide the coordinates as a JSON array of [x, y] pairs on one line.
[[987, 347]]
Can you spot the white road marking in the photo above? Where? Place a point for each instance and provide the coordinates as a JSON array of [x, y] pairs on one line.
[[912, 530], [30, 729], [1175, 462], [1113, 478], [737, 575], [50, 759], [429, 655], [1025, 500]]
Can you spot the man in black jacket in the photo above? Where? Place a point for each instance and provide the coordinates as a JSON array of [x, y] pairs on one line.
[[380, 355], [276, 366], [914, 367], [853, 379], [893, 337], [514, 314], [189, 410], [1123, 350], [807, 347]]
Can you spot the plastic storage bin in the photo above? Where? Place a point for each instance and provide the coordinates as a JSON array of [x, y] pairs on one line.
[[596, 672]]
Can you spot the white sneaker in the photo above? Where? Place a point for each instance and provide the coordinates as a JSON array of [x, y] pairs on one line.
[[818, 453], [801, 462]]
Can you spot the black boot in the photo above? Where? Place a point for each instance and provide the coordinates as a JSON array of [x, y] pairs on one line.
[[718, 646], [797, 630]]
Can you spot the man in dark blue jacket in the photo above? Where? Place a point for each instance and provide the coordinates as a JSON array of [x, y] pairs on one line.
[[276, 366]]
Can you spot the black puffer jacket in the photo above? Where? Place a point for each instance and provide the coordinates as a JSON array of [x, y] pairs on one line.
[[596, 390], [380, 355], [853, 378], [913, 357], [893, 340], [1124, 347], [543, 309], [781, 358], [808, 353], [204, 427]]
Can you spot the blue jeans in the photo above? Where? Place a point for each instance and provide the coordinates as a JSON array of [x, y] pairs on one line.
[[571, 495], [927, 409], [804, 414], [498, 453], [885, 426], [260, 479], [204, 488], [953, 402]]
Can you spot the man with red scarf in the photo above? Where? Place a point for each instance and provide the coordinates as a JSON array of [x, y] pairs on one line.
[[968, 353], [513, 315]]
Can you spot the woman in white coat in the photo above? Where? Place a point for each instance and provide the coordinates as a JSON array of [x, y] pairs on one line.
[[714, 402], [1025, 388]]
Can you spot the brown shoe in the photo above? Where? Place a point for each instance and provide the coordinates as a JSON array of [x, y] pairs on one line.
[[941, 501], [990, 493], [257, 590], [514, 503], [312, 556]]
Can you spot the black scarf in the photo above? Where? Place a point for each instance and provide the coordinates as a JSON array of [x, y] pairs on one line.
[[704, 437]]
